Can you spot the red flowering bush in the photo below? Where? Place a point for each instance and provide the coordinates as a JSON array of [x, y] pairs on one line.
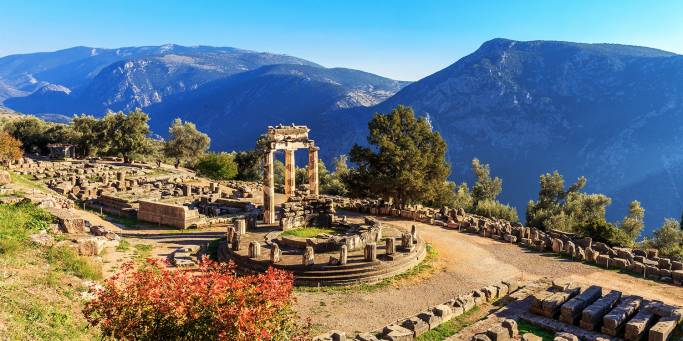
[[151, 302]]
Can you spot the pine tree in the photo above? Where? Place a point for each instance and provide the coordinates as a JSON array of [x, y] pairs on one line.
[[407, 161]]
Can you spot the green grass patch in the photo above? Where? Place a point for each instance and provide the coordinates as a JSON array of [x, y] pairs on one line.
[[142, 251], [423, 267], [307, 232], [67, 260], [450, 328], [526, 327], [123, 246], [27, 181], [39, 299], [17, 222]]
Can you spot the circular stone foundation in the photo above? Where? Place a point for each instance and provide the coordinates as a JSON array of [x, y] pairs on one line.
[[367, 259]]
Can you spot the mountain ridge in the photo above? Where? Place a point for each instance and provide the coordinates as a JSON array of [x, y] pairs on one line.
[[528, 108]]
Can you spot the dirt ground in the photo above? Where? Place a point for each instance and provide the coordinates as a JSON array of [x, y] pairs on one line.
[[465, 262]]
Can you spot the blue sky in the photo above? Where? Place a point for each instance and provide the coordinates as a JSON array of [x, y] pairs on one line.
[[399, 39]]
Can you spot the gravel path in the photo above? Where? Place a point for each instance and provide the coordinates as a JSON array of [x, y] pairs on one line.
[[465, 262]]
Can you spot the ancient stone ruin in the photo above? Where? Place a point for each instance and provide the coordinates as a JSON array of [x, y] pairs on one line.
[[592, 313], [289, 139]]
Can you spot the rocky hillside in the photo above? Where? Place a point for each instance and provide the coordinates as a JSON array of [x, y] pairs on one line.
[[235, 110], [93, 80], [613, 113]]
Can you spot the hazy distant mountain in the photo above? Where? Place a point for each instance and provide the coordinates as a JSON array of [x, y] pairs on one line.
[[83, 79], [613, 113], [236, 109]]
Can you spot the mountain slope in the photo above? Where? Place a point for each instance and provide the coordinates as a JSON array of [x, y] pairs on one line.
[[235, 110], [613, 113], [119, 79]]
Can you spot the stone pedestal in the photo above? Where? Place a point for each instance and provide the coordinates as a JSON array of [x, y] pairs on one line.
[[236, 242], [290, 173], [187, 190], [241, 225], [254, 250], [413, 233], [343, 255], [371, 252], [391, 246], [275, 254], [309, 256], [268, 189], [230, 234], [407, 242]]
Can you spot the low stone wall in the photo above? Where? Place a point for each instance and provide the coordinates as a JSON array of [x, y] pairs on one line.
[[306, 211], [410, 328], [167, 214], [644, 263]]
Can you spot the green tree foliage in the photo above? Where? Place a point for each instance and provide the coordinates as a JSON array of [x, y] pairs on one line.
[[249, 165], [128, 134], [551, 199], [463, 198], [574, 211], [30, 131], [185, 142], [633, 223], [217, 166], [482, 199], [91, 137], [279, 175], [406, 163], [494, 209], [334, 181], [485, 188], [328, 182], [668, 239]]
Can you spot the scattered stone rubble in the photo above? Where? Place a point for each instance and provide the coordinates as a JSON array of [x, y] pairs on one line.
[[178, 200], [590, 314]]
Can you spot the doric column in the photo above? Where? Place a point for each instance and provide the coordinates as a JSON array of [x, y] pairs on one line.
[[268, 188], [313, 169], [290, 173]]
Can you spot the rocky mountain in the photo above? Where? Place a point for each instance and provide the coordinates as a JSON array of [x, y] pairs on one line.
[[93, 80], [613, 113], [236, 109]]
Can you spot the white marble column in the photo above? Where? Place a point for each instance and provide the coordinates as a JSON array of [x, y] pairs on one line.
[[268, 188], [313, 181], [290, 173]]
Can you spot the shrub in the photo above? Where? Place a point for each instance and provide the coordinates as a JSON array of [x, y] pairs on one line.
[[150, 302], [495, 209], [217, 166]]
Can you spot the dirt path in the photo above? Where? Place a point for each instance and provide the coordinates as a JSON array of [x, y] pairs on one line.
[[465, 262]]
